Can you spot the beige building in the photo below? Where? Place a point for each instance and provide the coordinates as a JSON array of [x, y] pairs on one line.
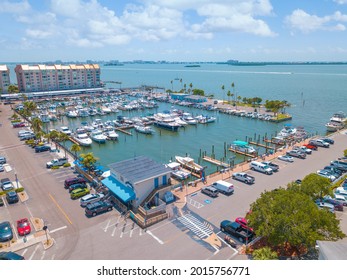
[[4, 78], [33, 78]]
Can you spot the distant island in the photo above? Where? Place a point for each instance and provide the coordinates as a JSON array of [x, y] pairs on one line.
[[192, 65], [264, 63]]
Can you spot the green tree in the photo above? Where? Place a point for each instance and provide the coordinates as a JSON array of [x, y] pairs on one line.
[[286, 217], [314, 186], [88, 160], [185, 87], [12, 89], [345, 153], [62, 137], [228, 94], [171, 84], [223, 89], [54, 136], [197, 91], [36, 125], [264, 253], [190, 88], [75, 148]]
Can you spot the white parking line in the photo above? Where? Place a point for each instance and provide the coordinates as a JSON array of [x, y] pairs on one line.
[[23, 253], [15, 232], [33, 253], [57, 229], [155, 237], [107, 226], [43, 255]]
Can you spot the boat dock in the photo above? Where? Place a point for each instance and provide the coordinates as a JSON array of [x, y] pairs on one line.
[[74, 141], [241, 153], [215, 161], [277, 143], [262, 145], [123, 130]]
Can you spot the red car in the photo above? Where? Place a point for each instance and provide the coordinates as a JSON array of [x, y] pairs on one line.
[[312, 147], [23, 227], [21, 124], [244, 223]]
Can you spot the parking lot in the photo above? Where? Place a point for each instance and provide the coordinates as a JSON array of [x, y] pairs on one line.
[[191, 232]]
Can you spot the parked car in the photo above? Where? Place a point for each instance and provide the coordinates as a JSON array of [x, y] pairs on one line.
[[303, 149], [236, 230], [39, 149], [77, 186], [328, 140], [339, 165], [244, 223], [19, 124], [296, 153], [77, 193], [286, 158], [243, 177], [12, 197], [333, 170], [6, 184], [73, 180], [1, 201], [223, 187], [89, 198], [6, 233], [311, 146], [2, 169], [98, 207], [210, 191], [272, 165], [258, 166], [27, 136], [327, 206], [341, 198], [23, 227], [319, 143], [2, 160], [326, 174], [7, 256], [338, 205], [56, 162]]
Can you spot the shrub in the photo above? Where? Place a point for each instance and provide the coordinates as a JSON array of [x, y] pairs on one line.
[[68, 164], [55, 167], [2, 193], [19, 190]]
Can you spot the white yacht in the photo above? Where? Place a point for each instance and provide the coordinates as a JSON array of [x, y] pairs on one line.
[[72, 114], [144, 129], [110, 133], [187, 117], [66, 130], [337, 122], [98, 136], [82, 138]]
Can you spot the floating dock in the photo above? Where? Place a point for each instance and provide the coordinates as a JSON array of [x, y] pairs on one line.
[[262, 145], [74, 141], [242, 153], [122, 129], [215, 161], [275, 143]]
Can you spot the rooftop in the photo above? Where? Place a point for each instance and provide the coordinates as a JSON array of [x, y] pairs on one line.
[[138, 169]]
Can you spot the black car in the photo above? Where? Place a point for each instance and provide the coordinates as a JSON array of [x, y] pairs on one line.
[[77, 186], [39, 149], [338, 205], [2, 160], [334, 171], [6, 233], [95, 208], [12, 197], [10, 256], [328, 140]]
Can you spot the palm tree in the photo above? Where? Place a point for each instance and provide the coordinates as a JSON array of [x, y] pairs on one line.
[[36, 125], [75, 148], [264, 253], [171, 84], [63, 138], [238, 100], [190, 87], [88, 160], [181, 82], [233, 87], [39, 135], [185, 88], [229, 94]]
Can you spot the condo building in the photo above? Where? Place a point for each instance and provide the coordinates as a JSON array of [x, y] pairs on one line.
[[4, 78], [34, 78]]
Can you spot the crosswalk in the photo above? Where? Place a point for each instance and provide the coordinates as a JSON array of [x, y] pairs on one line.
[[199, 228], [194, 203]]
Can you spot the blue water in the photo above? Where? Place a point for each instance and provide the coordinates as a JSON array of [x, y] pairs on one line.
[[315, 93]]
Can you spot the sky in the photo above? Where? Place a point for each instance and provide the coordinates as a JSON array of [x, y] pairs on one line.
[[173, 30]]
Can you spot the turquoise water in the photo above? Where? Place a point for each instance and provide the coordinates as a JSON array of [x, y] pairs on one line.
[[315, 92]]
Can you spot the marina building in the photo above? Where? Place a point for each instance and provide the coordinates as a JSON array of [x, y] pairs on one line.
[[4, 78], [38, 78]]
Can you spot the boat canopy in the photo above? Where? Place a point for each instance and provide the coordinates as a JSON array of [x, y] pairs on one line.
[[240, 143]]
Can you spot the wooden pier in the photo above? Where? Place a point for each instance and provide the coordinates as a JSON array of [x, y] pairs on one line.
[[261, 145], [74, 141], [242, 153], [215, 161], [275, 143], [122, 129]]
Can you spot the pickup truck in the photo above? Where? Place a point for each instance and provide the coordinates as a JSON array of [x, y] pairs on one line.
[[243, 177], [272, 165], [56, 162], [236, 230]]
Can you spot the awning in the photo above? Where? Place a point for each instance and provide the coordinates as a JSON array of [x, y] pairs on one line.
[[121, 191]]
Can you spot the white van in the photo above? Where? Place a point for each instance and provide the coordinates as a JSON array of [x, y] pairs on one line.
[[224, 187], [261, 167]]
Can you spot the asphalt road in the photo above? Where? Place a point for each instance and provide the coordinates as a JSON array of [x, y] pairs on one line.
[[110, 236]]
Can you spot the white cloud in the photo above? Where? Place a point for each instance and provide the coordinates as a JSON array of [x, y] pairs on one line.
[[341, 2], [300, 20], [38, 34], [14, 8]]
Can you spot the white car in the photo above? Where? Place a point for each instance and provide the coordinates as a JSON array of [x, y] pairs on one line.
[[286, 158], [89, 198], [341, 198], [326, 174]]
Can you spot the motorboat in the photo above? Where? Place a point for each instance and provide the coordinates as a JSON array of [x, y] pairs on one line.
[[72, 114], [82, 138], [243, 147], [110, 133], [167, 122], [44, 117], [144, 129], [188, 163], [65, 130], [337, 122], [177, 171], [205, 119], [98, 136], [187, 117]]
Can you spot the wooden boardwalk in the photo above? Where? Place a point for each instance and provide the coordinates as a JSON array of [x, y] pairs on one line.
[[215, 161], [242, 153], [122, 129], [261, 145]]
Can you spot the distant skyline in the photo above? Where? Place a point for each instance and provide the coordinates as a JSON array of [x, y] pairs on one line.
[[173, 30]]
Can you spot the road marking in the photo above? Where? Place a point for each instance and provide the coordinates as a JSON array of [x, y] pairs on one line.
[[61, 209], [108, 223], [43, 255], [114, 230], [23, 253], [33, 253], [15, 232], [57, 229], [155, 237], [169, 222], [26, 206]]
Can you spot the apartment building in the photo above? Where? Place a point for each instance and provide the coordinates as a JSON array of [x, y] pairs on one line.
[[4, 78], [33, 78]]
